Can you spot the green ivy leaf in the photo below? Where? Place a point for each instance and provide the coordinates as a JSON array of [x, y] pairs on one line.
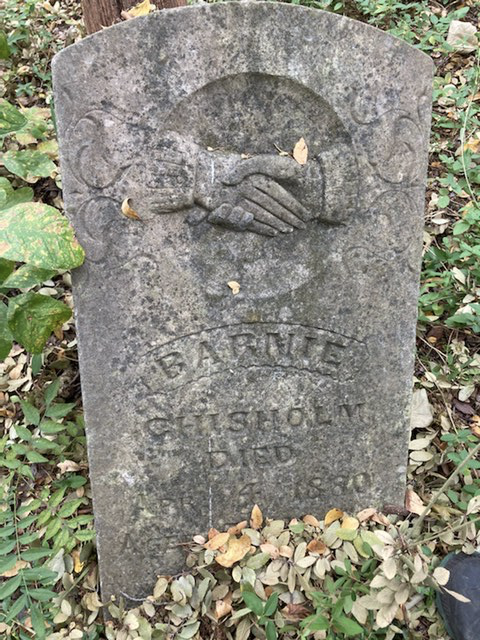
[[32, 317], [39, 235], [6, 338], [4, 48], [10, 118], [28, 164], [9, 196], [27, 276]]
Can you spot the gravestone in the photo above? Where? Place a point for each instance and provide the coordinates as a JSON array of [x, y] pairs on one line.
[[250, 338]]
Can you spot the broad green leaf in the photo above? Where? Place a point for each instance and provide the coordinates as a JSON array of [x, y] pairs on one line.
[[31, 413], [23, 433], [316, 622], [32, 318], [51, 391], [271, 630], [4, 48], [9, 196], [42, 444], [10, 586], [27, 276], [6, 338], [10, 118], [7, 563], [35, 553], [38, 622], [19, 604], [50, 427], [35, 128], [6, 547], [69, 508], [28, 164], [6, 268], [34, 456], [348, 626], [42, 595], [271, 605], [39, 235], [253, 602], [39, 573], [59, 410], [85, 536]]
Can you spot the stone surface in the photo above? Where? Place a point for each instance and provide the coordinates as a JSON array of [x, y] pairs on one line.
[[293, 392]]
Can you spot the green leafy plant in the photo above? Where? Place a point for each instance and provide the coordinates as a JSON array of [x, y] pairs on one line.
[[263, 610], [36, 241], [38, 531]]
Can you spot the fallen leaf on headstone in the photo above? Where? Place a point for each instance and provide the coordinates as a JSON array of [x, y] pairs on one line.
[[316, 546], [199, 539], [441, 575], [462, 36], [300, 152], [128, 212], [332, 515], [311, 520], [140, 9], [217, 541], [256, 517], [68, 465], [237, 548], [234, 286], [413, 502], [421, 413]]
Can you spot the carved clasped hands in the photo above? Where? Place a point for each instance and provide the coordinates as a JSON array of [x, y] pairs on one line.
[[244, 194]]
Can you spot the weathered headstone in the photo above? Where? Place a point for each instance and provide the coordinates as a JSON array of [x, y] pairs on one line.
[[250, 339]]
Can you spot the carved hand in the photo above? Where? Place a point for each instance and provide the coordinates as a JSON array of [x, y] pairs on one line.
[[244, 195]]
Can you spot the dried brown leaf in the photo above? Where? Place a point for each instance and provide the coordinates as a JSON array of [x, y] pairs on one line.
[[413, 502], [217, 541], [256, 517], [332, 515], [234, 286], [311, 520], [316, 547], [237, 548], [128, 212], [300, 151]]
